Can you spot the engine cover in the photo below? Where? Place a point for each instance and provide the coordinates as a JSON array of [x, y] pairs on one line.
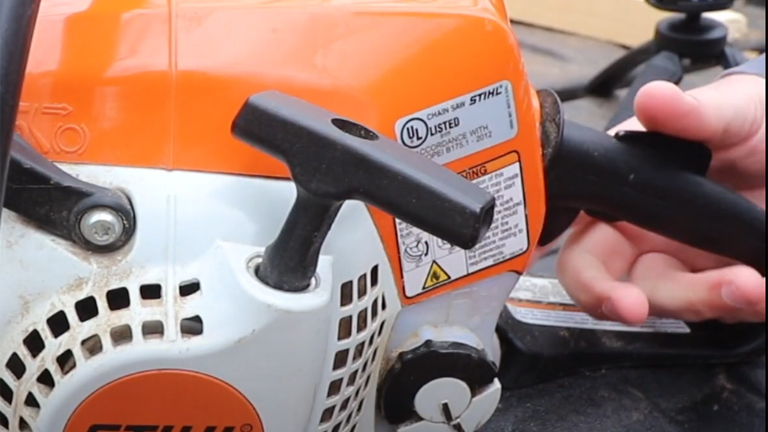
[[175, 329], [173, 333]]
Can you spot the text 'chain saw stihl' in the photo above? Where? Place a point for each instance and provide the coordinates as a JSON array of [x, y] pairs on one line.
[[286, 216]]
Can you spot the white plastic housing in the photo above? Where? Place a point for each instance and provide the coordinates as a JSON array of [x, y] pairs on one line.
[[196, 236]]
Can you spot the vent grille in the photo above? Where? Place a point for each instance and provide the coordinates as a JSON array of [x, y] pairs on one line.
[[43, 343], [359, 337]]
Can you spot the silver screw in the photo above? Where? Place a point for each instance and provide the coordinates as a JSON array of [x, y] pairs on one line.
[[102, 226]]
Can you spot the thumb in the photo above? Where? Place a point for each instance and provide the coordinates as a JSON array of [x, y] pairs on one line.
[[722, 115]]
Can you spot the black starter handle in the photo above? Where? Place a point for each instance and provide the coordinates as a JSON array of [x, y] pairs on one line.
[[331, 160], [657, 183]]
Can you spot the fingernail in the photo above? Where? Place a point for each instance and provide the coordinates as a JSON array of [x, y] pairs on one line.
[[609, 309], [731, 296]]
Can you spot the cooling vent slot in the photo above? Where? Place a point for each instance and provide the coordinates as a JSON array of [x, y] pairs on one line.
[[359, 336], [22, 364]]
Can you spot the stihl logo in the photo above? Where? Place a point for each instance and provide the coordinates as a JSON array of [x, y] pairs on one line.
[[159, 428]]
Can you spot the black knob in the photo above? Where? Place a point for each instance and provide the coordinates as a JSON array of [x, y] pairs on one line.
[[333, 159], [414, 369], [692, 6]]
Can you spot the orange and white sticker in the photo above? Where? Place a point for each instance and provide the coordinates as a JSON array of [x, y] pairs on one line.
[[544, 302], [429, 262]]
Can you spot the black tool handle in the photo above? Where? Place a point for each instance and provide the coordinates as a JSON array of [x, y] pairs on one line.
[[661, 188], [664, 66], [333, 159], [733, 57], [17, 24]]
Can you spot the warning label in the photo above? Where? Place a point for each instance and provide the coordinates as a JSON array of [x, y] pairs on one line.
[[429, 262], [544, 302], [436, 276], [462, 126]]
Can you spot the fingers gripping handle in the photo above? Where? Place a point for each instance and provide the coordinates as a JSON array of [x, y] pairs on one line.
[[659, 184], [331, 160]]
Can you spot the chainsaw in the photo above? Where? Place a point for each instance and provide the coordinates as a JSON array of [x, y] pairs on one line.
[[299, 216]]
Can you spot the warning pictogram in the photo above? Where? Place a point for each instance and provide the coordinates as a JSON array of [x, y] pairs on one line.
[[436, 276], [429, 262]]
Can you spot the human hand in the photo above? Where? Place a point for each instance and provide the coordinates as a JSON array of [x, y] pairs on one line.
[[622, 273]]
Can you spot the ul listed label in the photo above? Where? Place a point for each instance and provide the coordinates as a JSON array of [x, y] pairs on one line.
[[461, 126]]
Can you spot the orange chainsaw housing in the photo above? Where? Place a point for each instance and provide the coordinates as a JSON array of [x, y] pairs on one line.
[[157, 83]]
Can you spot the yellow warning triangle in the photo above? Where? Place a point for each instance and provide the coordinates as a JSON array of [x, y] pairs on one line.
[[436, 276]]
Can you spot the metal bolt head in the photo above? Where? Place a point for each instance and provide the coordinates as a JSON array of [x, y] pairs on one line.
[[102, 226]]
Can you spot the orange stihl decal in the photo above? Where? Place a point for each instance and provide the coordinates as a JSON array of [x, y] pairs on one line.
[[164, 428], [166, 401]]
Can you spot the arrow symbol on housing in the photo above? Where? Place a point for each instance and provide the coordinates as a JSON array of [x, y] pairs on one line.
[[56, 109]]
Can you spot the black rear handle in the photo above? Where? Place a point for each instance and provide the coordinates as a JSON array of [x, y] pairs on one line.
[[658, 183]]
